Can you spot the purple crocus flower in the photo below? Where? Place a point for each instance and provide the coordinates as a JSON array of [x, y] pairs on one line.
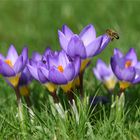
[[126, 67], [12, 65], [85, 45], [56, 67], [104, 73]]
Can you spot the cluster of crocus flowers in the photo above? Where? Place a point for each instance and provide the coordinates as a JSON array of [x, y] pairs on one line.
[[104, 73], [126, 67], [53, 69]]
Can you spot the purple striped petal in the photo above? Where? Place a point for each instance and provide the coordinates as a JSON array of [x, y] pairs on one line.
[[12, 54], [44, 71], [36, 56], [131, 55], [88, 34], [105, 41], [118, 52], [57, 77], [76, 47], [67, 32], [41, 76], [18, 66], [25, 55], [2, 57], [33, 71], [5, 69], [93, 47], [69, 72], [63, 59], [63, 41], [77, 64]]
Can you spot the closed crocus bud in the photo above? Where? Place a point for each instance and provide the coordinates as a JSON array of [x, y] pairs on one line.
[[104, 73], [126, 67]]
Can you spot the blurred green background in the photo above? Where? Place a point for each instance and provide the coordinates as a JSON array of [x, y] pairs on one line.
[[35, 23]]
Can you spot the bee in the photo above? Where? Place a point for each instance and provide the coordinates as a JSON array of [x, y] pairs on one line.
[[112, 34]]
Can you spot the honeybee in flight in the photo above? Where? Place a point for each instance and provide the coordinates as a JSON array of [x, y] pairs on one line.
[[112, 34]]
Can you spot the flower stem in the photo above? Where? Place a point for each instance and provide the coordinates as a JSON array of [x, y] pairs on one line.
[[81, 83], [20, 110], [70, 96], [55, 97], [30, 111]]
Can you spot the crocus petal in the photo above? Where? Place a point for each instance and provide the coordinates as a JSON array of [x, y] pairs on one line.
[[137, 77], [105, 41], [96, 73], [102, 68], [44, 71], [76, 47], [33, 72], [77, 64], [67, 32], [57, 77], [18, 66], [25, 55], [63, 59], [137, 66], [122, 74], [131, 55], [5, 69], [25, 77], [41, 76], [2, 57], [93, 47], [69, 72], [12, 54], [63, 41], [118, 52], [88, 34], [47, 52], [36, 56]]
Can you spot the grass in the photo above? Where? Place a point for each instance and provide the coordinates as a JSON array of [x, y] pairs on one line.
[[35, 23]]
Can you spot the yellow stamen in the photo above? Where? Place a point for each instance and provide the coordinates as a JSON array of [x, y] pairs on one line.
[[14, 80], [124, 85], [128, 64], [9, 62], [60, 68], [71, 84], [50, 86]]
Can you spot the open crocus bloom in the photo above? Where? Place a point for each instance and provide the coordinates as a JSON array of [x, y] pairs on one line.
[[85, 44], [60, 69], [126, 67], [54, 68], [104, 73], [12, 65]]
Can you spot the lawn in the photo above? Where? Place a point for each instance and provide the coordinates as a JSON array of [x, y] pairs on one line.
[[35, 24]]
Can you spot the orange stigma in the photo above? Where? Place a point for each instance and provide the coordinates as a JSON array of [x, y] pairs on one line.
[[128, 64], [8, 62], [60, 68]]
